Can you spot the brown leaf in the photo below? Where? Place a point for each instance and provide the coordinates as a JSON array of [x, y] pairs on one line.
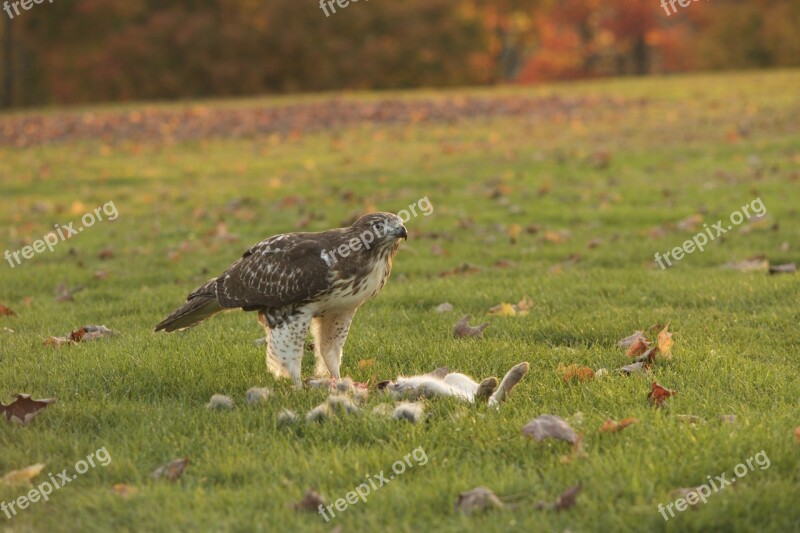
[[658, 394], [567, 499], [638, 347], [24, 409], [550, 426], [478, 499], [366, 363], [610, 426], [5, 311], [573, 371], [797, 433], [171, 471], [648, 357], [463, 329], [631, 339], [65, 294], [310, 502]]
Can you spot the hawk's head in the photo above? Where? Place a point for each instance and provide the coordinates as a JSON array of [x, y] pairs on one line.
[[386, 228]]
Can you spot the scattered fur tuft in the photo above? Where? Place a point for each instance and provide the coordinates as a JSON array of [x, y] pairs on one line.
[[220, 402], [257, 395], [411, 412]]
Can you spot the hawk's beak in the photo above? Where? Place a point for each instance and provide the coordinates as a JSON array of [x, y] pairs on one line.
[[402, 233]]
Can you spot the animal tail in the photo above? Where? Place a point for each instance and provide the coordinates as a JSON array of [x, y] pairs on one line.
[[200, 304]]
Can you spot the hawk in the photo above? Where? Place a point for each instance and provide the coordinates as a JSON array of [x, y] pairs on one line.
[[300, 280]]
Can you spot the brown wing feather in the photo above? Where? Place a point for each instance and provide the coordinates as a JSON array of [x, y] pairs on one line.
[[279, 271]]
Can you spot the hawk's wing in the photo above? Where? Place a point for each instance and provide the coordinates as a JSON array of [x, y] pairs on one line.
[[282, 270]]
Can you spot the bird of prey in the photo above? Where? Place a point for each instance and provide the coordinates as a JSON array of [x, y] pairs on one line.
[[297, 280]]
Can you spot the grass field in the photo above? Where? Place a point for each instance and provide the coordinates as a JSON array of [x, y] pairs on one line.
[[621, 177]]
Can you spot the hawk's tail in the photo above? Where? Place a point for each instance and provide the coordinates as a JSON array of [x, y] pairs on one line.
[[201, 304]]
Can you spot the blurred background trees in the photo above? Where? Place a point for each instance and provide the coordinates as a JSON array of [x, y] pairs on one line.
[[106, 50]]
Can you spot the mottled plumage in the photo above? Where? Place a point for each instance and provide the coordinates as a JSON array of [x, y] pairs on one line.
[[300, 280]]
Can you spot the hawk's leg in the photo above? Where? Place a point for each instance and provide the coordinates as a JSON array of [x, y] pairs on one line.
[[285, 347], [330, 332]]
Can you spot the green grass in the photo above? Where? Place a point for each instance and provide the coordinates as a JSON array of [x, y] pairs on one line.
[[142, 395]]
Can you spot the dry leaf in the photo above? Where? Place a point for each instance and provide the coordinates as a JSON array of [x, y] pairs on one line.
[[310, 502], [550, 426], [797, 433], [631, 339], [567, 499], [463, 329], [366, 363], [518, 309], [478, 499], [5, 311], [171, 471], [610, 426], [665, 342], [633, 368], [658, 394], [573, 371], [638, 347], [22, 476], [22, 410]]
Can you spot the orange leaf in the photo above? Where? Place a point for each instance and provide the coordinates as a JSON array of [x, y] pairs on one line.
[[665, 342], [609, 426], [573, 371], [638, 347], [658, 394]]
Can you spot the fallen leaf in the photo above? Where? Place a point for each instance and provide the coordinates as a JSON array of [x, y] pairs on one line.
[[518, 309], [665, 342], [171, 471], [65, 294], [22, 476], [310, 502], [478, 499], [5, 311], [797, 433], [573, 371], [610, 426], [463, 329], [638, 347], [631, 339], [567, 499], [550, 426], [366, 363], [648, 357], [22, 410], [658, 394], [633, 368]]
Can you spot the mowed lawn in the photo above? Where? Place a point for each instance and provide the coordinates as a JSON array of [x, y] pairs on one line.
[[568, 211]]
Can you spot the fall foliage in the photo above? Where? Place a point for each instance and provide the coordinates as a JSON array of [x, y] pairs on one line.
[[100, 50]]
